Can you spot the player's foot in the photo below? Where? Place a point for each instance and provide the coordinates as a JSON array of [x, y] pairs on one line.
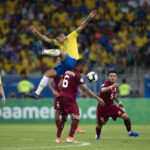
[[58, 140], [78, 130], [133, 134], [33, 95], [40, 48], [97, 137], [71, 140]]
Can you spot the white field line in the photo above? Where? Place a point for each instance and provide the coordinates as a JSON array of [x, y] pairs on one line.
[[45, 147]]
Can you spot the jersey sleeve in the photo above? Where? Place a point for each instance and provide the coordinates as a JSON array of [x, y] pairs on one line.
[[56, 43], [79, 79], [73, 34]]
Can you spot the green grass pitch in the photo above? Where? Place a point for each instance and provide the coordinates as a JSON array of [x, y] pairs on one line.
[[42, 137]]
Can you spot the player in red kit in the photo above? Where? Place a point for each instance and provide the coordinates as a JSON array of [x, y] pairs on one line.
[[108, 93], [56, 92], [67, 99]]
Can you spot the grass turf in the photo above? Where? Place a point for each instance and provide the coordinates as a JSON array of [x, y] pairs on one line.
[[42, 137]]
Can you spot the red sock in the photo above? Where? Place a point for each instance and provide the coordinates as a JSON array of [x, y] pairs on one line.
[[57, 123], [98, 131], [128, 124], [74, 126], [60, 127]]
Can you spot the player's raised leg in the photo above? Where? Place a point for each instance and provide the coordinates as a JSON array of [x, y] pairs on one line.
[[74, 125], [127, 123], [66, 63]]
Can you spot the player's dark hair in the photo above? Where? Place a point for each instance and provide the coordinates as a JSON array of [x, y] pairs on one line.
[[80, 62], [112, 71], [58, 33]]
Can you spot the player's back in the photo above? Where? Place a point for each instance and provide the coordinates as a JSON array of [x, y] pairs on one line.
[[71, 79], [108, 96]]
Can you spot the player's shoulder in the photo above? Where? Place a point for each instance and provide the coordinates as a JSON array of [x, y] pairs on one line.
[[105, 84], [74, 33]]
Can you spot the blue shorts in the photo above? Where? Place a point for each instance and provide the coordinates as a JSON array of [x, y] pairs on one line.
[[68, 63]]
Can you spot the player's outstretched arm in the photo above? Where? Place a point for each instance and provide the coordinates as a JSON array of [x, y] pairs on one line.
[[3, 94], [106, 89], [87, 90], [41, 36], [85, 22], [50, 84]]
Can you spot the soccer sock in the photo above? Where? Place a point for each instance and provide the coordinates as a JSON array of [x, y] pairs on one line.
[[52, 52], [128, 124], [60, 127], [74, 126], [42, 85], [98, 131], [57, 122]]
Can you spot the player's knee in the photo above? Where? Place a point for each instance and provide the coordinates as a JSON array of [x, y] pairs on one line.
[[51, 73], [73, 116], [124, 116]]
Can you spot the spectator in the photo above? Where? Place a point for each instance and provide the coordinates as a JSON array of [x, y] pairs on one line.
[[24, 87], [124, 89]]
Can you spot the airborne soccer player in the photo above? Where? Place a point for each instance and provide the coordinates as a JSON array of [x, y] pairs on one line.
[[67, 99], [68, 52], [108, 94]]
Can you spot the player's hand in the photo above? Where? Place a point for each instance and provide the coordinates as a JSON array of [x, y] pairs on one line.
[[93, 13], [32, 29], [3, 99], [102, 103], [121, 105], [115, 85], [56, 94], [81, 93]]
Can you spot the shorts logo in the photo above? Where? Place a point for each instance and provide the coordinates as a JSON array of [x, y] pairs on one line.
[[119, 112]]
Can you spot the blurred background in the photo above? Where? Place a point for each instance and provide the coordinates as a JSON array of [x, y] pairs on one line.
[[118, 38]]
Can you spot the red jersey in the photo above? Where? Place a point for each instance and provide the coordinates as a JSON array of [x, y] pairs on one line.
[[108, 97], [71, 80], [57, 80]]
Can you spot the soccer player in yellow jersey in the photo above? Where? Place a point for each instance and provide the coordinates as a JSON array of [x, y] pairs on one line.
[[68, 52], [2, 91]]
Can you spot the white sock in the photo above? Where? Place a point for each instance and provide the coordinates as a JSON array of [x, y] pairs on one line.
[[129, 132], [42, 85], [52, 52]]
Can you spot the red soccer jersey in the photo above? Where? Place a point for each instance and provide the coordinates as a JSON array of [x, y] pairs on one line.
[[108, 97], [71, 80], [57, 80]]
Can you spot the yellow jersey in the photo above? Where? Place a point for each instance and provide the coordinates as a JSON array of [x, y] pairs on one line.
[[0, 80], [70, 45]]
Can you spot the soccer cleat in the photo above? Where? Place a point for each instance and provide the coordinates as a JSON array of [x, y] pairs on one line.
[[58, 140], [71, 140], [78, 130], [40, 48], [133, 134], [97, 137], [33, 95]]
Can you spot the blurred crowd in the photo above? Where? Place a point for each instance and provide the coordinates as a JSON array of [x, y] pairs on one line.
[[118, 38]]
